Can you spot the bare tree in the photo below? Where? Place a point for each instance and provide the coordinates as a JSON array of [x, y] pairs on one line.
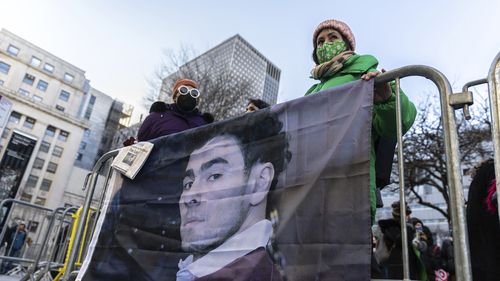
[[424, 153], [223, 93]]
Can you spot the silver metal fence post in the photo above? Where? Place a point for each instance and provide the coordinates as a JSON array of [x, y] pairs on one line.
[[31, 271], [402, 197], [45, 270], [494, 87], [457, 208], [86, 207]]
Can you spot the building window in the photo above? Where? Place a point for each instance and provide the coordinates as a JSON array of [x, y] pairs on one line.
[[5, 133], [37, 98], [48, 67], [29, 122], [92, 100], [13, 50], [4, 68], [427, 189], [15, 117], [50, 131], [33, 225], [52, 167], [31, 182], [35, 61], [83, 145], [64, 95], [68, 77], [79, 157], [23, 92], [90, 107], [88, 112], [26, 197], [63, 136], [57, 151], [42, 85], [38, 164], [86, 133], [60, 108], [40, 201], [45, 185], [29, 79], [45, 146]]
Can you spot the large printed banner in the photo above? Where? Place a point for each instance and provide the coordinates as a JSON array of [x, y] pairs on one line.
[[279, 194]]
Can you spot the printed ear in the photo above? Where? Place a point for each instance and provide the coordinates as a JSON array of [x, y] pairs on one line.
[[263, 174]]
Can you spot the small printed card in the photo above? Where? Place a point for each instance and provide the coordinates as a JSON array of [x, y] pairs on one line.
[[130, 159]]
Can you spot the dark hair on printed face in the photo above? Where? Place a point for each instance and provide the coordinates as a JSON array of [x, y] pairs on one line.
[[259, 136]]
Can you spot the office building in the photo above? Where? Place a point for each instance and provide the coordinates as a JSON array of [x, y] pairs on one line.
[[229, 74]]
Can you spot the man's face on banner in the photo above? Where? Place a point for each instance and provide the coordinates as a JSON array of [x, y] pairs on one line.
[[215, 198]]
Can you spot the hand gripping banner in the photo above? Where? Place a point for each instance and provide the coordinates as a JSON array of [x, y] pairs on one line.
[[278, 194]]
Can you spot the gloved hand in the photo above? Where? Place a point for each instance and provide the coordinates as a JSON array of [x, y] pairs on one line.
[[129, 141]]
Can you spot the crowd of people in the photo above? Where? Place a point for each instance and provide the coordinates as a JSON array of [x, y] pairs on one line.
[[336, 63], [427, 259]]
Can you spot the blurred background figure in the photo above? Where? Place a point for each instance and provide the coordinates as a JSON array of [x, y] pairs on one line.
[[483, 224], [389, 251], [255, 104]]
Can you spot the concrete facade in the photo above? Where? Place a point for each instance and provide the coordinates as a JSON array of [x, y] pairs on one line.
[[54, 105], [47, 94]]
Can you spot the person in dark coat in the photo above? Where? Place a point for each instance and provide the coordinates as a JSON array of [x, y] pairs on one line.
[[157, 107], [483, 224], [15, 242], [165, 119], [392, 262]]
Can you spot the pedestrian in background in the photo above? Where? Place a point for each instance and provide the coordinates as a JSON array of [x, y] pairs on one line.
[[483, 224]]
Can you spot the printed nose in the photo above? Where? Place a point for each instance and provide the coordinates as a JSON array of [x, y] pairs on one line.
[[192, 200]]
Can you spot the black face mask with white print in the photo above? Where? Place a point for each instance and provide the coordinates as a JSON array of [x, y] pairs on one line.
[[186, 103]]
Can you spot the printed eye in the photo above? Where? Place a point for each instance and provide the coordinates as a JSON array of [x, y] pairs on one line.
[[214, 177], [187, 185]]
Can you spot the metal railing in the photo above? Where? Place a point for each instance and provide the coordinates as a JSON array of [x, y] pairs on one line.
[[90, 186], [449, 103], [41, 249], [494, 91]]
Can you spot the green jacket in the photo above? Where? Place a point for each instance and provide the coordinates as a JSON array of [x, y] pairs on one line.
[[384, 114]]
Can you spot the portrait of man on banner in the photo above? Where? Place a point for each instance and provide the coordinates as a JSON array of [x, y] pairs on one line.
[[276, 194], [223, 203]]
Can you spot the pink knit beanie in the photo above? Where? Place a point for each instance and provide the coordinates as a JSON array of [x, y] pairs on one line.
[[341, 27]]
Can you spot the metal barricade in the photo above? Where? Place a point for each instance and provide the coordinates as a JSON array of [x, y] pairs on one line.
[[90, 185], [37, 237], [449, 103], [82, 246], [61, 244], [494, 91]]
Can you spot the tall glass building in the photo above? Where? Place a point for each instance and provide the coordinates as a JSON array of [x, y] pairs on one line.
[[228, 74]]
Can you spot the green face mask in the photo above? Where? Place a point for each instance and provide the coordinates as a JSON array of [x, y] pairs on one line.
[[329, 50]]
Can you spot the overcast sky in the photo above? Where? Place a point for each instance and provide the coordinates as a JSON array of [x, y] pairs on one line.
[[120, 42]]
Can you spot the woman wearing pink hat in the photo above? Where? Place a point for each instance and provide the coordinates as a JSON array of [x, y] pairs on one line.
[[336, 64]]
